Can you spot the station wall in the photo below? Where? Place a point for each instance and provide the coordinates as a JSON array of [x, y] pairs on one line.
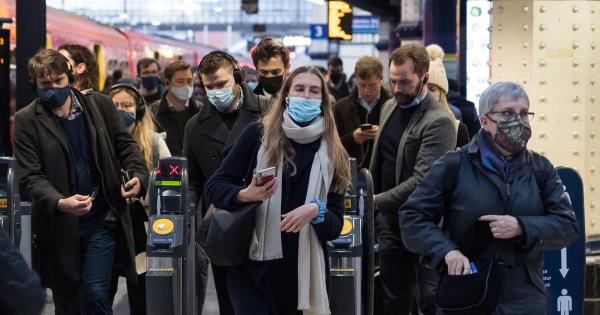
[[551, 48]]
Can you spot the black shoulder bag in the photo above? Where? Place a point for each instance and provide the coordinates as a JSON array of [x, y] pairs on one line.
[[225, 235]]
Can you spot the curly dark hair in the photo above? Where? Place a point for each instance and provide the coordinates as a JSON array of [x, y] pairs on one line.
[[81, 54]]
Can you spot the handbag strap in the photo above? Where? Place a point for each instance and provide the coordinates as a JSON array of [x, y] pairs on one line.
[[252, 164]]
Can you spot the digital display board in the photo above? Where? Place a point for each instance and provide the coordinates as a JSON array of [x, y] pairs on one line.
[[478, 52], [339, 20]]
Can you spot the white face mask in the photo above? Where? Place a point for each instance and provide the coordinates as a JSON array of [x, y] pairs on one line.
[[182, 93], [436, 96]]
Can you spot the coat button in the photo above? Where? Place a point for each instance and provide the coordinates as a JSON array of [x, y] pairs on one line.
[[213, 158]]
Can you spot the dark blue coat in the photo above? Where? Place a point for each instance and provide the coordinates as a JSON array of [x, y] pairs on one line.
[[20, 288], [460, 195]]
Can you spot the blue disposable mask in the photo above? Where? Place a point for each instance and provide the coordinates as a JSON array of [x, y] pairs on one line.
[[220, 98], [150, 82], [252, 85], [127, 117], [54, 98], [303, 109]]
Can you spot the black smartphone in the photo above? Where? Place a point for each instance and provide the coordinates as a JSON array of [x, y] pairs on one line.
[[125, 178], [365, 126]]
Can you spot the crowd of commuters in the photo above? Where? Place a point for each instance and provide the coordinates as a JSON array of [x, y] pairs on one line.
[[72, 141]]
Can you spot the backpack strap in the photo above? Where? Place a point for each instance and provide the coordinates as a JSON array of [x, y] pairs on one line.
[[538, 170], [453, 162]]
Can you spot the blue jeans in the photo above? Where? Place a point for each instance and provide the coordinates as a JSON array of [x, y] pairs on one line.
[[97, 249]]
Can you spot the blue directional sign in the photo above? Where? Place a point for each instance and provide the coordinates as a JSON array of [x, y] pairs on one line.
[[564, 270], [367, 24], [318, 31]]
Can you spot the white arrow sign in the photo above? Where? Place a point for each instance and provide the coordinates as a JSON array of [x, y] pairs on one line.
[[563, 262]]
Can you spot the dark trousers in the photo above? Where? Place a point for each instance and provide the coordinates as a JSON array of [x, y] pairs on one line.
[[398, 281], [220, 278], [97, 250], [136, 293], [247, 297], [201, 276]]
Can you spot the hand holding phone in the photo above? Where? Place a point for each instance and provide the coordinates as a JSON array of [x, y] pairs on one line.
[[265, 175]]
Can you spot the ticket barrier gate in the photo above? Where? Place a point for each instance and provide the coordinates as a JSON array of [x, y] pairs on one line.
[[171, 276], [351, 256], [10, 202]]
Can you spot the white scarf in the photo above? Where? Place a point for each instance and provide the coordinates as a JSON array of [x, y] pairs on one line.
[[266, 242]]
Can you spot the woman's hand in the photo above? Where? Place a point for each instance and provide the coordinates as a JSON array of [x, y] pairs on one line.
[[457, 263], [255, 193], [503, 226], [296, 219]]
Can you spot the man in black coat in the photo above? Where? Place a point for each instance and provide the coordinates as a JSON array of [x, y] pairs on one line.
[[362, 107], [208, 135], [70, 148], [177, 106]]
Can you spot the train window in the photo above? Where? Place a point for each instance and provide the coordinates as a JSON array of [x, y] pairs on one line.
[[124, 64], [112, 63]]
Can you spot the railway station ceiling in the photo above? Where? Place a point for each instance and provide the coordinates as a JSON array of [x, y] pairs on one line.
[[178, 12]]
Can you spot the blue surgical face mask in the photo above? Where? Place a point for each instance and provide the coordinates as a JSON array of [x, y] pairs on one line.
[[220, 98], [54, 98], [127, 117], [252, 85], [303, 109]]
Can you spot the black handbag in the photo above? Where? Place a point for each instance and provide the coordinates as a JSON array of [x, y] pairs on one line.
[[225, 235], [475, 293]]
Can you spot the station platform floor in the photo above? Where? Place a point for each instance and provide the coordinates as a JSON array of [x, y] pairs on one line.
[[121, 305]]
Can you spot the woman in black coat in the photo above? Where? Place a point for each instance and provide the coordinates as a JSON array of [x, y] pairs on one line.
[[492, 208], [302, 206]]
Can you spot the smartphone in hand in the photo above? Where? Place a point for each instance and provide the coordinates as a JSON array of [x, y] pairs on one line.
[[265, 175], [125, 178], [364, 127], [94, 193]]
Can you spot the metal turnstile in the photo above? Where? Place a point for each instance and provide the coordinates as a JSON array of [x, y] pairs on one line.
[[10, 201], [351, 255], [171, 276]]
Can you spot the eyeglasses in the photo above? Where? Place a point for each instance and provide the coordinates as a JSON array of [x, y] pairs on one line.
[[511, 115], [124, 104]]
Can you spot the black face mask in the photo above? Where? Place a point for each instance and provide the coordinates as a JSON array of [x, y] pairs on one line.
[[271, 85], [335, 77]]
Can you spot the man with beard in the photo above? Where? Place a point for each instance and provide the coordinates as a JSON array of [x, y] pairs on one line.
[[272, 61], [415, 130]]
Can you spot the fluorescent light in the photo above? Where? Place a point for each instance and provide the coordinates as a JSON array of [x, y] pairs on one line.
[[319, 2]]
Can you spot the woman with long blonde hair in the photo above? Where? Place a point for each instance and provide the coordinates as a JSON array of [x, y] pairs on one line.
[[133, 112], [302, 206]]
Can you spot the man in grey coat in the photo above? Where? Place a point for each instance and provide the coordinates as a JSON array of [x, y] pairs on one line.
[[415, 130]]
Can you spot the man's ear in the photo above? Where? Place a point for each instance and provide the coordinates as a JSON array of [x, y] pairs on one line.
[[287, 70], [80, 68]]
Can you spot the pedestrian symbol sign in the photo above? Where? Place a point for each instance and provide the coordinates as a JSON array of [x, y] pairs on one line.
[[564, 269]]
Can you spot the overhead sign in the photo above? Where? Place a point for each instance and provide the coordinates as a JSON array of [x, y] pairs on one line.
[[318, 31], [564, 269], [339, 20], [365, 24]]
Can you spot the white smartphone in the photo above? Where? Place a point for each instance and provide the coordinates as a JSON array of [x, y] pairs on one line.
[[265, 175]]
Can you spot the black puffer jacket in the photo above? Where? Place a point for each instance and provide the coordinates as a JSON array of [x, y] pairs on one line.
[[461, 193]]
